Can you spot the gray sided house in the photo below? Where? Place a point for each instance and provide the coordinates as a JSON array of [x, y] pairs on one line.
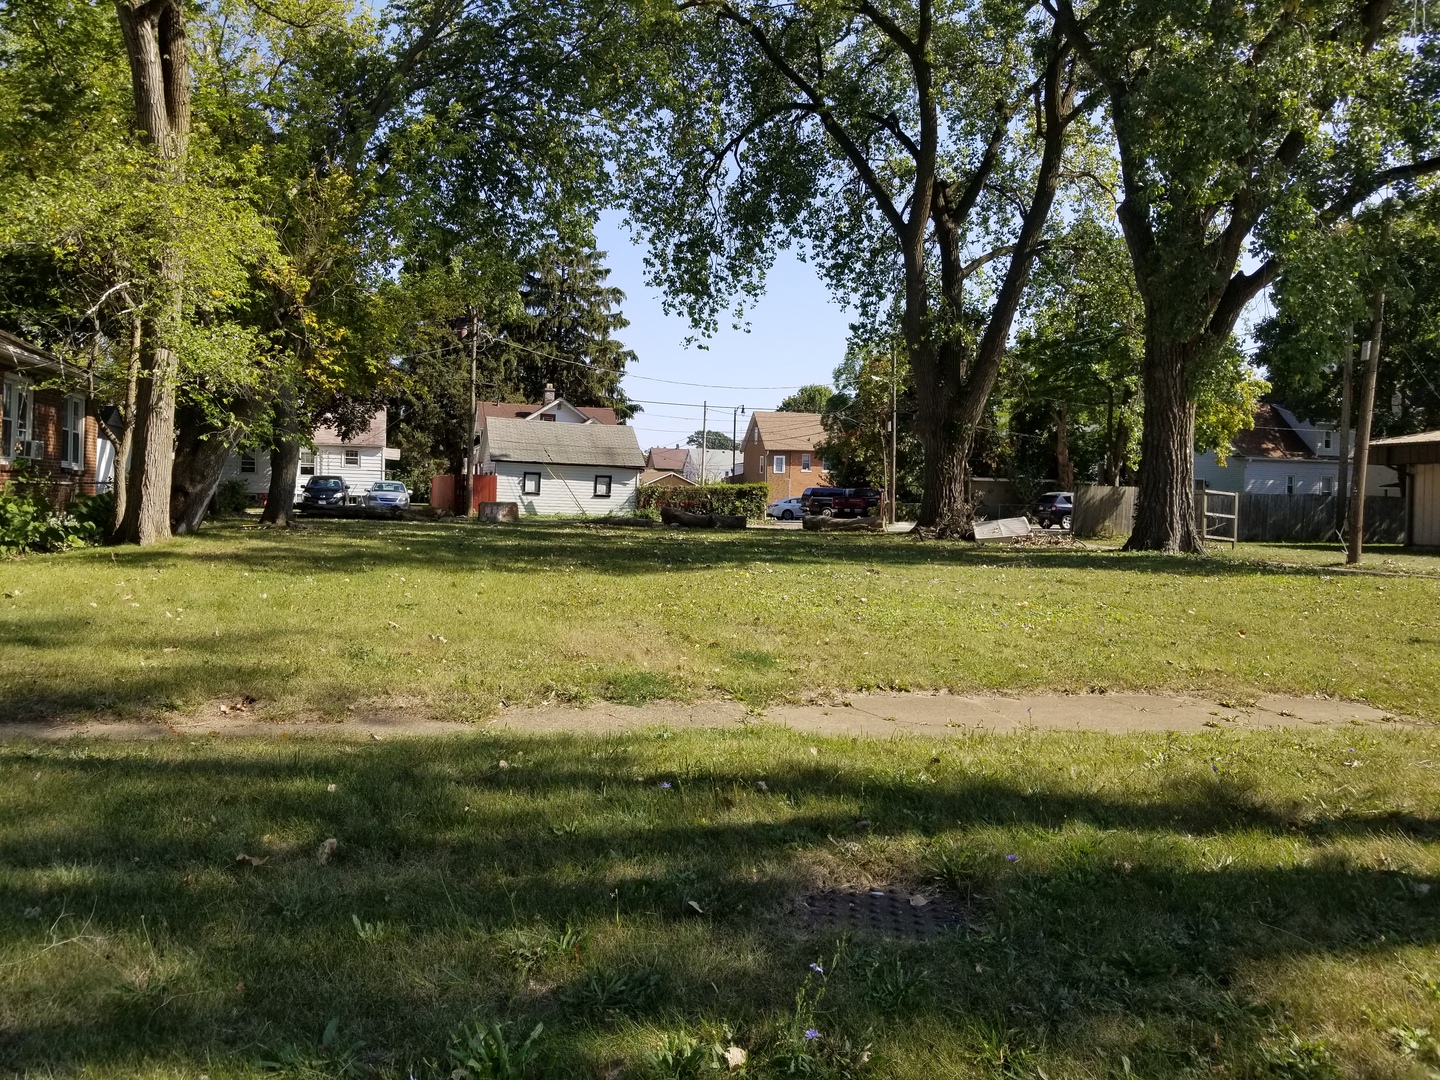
[[1284, 455], [560, 468]]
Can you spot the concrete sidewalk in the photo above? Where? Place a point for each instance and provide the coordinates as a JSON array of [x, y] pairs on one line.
[[864, 715]]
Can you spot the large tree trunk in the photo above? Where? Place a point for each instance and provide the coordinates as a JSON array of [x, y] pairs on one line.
[[1165, 503], [947, 444], [147, 496], [284, 473], [154, 34], [952, 381]]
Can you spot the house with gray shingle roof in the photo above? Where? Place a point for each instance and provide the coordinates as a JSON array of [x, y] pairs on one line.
[[559, 468]]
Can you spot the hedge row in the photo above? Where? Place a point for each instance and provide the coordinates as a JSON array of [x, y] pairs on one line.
[[747, 499]]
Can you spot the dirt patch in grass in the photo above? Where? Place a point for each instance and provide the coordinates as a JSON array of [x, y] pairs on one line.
[[880, 715]]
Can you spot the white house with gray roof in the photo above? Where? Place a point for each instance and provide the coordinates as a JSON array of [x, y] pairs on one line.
[[577, 468]]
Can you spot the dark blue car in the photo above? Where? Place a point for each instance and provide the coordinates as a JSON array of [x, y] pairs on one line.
[[1055, 508]]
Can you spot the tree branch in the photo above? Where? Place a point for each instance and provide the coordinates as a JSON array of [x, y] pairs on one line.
[[832, 126]]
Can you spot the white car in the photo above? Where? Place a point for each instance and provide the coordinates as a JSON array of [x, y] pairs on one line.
[[791, 509]]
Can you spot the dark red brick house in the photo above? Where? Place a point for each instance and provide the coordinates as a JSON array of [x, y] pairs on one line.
[[47, 420]]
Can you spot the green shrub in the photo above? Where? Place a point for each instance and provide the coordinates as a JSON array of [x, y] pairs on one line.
[[28, 521], [747, 499], [232, 497]]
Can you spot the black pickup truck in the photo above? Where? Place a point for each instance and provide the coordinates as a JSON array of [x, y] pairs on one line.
[[841, 502]]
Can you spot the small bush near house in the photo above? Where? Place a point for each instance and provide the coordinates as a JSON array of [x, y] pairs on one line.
[[747, 499], [232, 497], [28, 521]]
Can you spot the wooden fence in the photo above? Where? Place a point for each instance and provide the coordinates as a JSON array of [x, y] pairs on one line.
[[1108, 511], [1102, 511], [1311, 518]]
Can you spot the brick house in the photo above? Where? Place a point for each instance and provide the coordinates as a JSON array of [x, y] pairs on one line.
[[780, 452], [46, 420]]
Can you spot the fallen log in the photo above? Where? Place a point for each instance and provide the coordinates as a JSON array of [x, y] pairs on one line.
[[671, 516], [819, 523]]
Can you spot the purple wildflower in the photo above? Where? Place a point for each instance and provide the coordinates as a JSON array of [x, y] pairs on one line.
[[1012, 858], [817, 969], [665, 784], [810, 1034], [1216, 768]]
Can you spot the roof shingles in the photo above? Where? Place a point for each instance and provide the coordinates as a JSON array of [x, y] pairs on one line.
[[1271, 437], [563, 444], [790, 430]]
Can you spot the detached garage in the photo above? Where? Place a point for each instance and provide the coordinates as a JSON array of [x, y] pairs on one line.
[[1417, 459], [562, 468]]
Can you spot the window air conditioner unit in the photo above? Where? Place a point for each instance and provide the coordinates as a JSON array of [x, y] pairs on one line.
[[34, 449]]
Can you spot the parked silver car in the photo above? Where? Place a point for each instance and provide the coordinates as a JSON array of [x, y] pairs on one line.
[[387, 495]]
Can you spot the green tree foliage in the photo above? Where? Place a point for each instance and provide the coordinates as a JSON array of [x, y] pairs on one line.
[[329, 144], [891, 140], [814, 398], [548, 320], [857, 443], [1072, 383], [1320, 299], [711, 440], [564, 334], [1240, 127], [1076, 362], [125, 256]]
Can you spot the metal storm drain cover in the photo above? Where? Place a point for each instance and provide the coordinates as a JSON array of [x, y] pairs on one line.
[[885, 912]]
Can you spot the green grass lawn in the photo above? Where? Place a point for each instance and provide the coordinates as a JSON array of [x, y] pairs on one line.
[[1378, 558], [452, 619], [1225, 904]]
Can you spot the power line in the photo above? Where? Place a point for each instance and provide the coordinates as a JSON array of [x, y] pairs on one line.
[[707, 386], [607, 371]]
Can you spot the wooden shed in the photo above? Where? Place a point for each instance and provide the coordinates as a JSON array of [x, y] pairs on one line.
[[1417, 459]]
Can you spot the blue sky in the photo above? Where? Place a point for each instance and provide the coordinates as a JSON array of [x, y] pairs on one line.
[[797, 336]]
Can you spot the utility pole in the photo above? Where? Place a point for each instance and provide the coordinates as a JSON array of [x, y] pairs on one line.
[[734, 433], [469, 484], [1342, 486], [1370, 353], [704, 437], [894, 479]]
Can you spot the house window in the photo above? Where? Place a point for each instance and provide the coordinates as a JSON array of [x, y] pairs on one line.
[[1289, 485], [804, 462], [548, 416], [72, 434], [1326, 439], [1327, 483], [779, 465], [755, 435], [307, 462], [602, 487], [352, 457], [247, 462], [15, 419], [530, 483], [824, 465]]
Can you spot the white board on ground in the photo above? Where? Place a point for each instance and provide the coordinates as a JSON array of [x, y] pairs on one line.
[[1002, 529]]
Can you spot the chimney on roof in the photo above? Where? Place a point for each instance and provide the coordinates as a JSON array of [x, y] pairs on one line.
[[549, 393]]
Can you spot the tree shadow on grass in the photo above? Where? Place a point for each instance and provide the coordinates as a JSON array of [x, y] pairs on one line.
[[354, 547], [178, 953]]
